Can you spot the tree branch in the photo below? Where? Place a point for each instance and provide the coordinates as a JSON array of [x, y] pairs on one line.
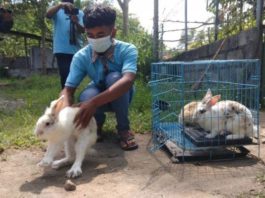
[[121, 4]]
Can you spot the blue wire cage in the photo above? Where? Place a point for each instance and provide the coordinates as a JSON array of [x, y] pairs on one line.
[[173, 85]]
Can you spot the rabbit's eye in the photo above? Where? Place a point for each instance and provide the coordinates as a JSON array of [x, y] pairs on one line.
[[47, 123], [202, 111]]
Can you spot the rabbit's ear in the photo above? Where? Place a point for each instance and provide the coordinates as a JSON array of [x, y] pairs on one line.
[[208, 95], [57, 105], [214, 100]]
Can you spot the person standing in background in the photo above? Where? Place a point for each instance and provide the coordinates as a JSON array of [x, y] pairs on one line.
[[67, 34]]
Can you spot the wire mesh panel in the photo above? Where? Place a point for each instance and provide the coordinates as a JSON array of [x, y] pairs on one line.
[[175, 85]]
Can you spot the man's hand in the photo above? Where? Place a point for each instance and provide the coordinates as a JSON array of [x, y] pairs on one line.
[[67, 5], [86, 112], [74, 19]]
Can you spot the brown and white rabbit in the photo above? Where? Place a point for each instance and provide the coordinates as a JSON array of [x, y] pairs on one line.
[[187, 112], [58, 128], [226, 115]]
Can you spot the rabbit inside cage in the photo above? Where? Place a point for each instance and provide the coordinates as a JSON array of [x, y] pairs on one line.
[[219, 117], [223, 110]]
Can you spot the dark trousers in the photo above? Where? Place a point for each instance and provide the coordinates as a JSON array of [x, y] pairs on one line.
[[120, 106], [63, 62]]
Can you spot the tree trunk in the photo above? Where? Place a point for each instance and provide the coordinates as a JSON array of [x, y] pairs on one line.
[[43, 36], [186, 25], [125, 18], [260, 50], [216, 20], [43, 51], [155, 34], [125, 13]]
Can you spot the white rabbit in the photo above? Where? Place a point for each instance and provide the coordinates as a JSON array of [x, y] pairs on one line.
[[226, 115], [57, 127]]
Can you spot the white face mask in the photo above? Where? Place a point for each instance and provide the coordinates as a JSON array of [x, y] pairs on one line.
[[101, 44]]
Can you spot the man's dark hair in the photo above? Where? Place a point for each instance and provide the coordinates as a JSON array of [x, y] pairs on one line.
[[99, 15], [69, 1]]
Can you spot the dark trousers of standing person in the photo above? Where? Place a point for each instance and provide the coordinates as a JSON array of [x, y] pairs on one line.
[[63, 62]]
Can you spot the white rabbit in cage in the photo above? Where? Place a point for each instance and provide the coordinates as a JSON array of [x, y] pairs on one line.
[[218, 117]]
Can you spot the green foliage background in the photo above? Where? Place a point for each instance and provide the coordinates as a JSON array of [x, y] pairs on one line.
[[29, 18], [231, 22]]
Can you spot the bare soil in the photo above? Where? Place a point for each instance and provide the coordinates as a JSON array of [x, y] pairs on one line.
[[113, 173]]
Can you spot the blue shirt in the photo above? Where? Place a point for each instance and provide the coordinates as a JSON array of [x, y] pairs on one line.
[[124, 59], [61, 33]]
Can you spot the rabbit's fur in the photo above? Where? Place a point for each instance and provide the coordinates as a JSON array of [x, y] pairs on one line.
[[186, 114], [57, 127], [227, 115]]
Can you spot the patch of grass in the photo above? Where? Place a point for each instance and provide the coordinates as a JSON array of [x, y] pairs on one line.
[[262, 103], [261, 178], [36, 92], [255, 193], [140, 110]]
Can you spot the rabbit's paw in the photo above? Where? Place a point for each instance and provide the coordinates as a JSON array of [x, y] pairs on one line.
[[59, 163], [235, 136], [44, 163], [229, 137], [210, 135], [74, 172], [56, 164]]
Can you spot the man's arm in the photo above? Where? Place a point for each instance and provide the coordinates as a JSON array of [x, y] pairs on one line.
[[52, 10], [68, 93], [88, 109], [115, 91]]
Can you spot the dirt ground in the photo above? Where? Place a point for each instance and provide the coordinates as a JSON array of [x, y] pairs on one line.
[[113, 173]]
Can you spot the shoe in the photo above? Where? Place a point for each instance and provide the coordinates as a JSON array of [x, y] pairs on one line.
[[127, 141]]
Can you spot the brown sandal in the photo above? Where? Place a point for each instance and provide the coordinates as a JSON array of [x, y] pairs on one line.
[[128, 143]]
